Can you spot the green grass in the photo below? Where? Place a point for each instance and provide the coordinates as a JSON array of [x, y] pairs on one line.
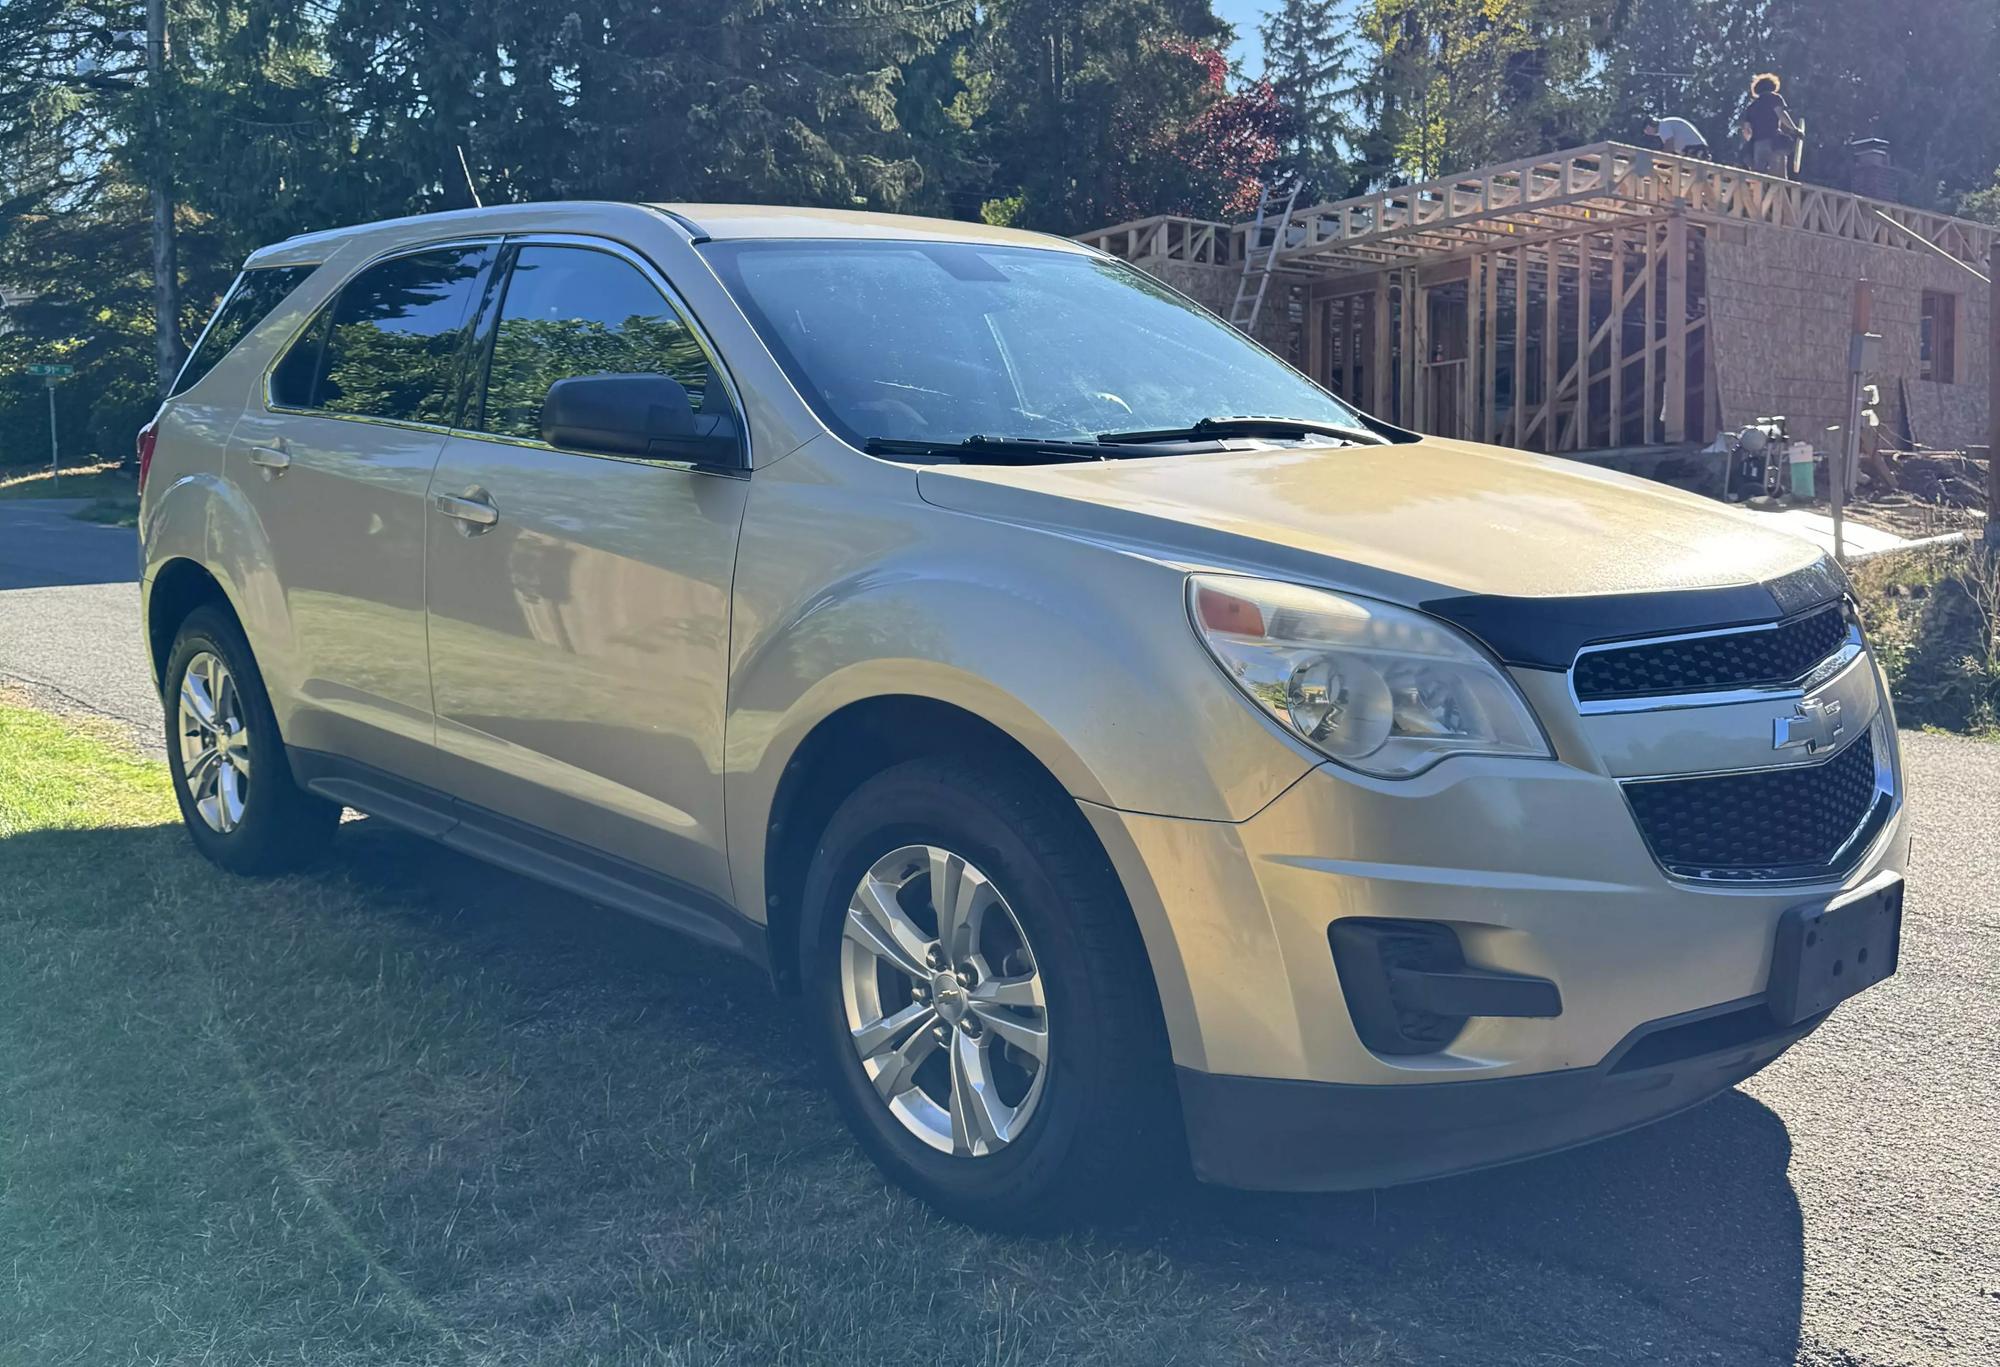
[[406, 1110], [105, 481]]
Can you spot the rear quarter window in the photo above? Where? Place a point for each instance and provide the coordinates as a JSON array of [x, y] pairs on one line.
[[390, 343], [257, 292]]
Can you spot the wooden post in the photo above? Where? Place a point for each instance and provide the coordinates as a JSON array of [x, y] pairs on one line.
[[1617, 387], [1350, 348], [1520, 414], [1676, 398], [1583, 346], [1361, 332], [1382, 360], [1416, 308], [1319, 322], [1409, 411], [1489, 366], [1345, 336], [1468, 374], [1649, 410], [1550, 349]]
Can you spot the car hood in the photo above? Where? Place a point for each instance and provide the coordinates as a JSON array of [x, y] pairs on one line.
[[1408, 521]]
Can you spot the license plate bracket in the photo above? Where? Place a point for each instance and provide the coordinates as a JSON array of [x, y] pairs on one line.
[[1828, 951]]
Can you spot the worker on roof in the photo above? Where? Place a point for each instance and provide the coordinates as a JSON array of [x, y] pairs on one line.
[[1677, 136], [1769, 128]]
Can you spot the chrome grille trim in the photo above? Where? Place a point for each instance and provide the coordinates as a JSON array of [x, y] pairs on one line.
[[1850, 648]]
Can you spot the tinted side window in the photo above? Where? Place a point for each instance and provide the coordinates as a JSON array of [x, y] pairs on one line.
[[571, 311], [391, 346], [248, 303], [292, 378]]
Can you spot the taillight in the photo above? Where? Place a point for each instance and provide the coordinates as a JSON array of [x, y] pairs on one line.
[[148, 435]]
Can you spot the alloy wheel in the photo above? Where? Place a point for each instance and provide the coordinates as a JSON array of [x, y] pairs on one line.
[[215, 747], [944, 1001]]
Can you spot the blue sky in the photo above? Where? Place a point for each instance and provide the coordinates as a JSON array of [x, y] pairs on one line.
[[1245, 14]]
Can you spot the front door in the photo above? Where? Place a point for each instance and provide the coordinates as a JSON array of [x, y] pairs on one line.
[[579, 604], [335, 460]]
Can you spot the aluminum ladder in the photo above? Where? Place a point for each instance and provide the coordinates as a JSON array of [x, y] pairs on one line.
[[1274, 215]]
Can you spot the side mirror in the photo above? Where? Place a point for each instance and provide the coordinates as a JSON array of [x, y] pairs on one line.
[[649, 417]]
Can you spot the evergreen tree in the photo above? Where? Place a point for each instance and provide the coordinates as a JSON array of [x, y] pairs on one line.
[[1455, 84], [741, 99], [1309, 53], [1085, 100], [78, 144]]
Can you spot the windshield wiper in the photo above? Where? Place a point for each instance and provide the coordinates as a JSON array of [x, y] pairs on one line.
[[993, 450], [1246, 427]]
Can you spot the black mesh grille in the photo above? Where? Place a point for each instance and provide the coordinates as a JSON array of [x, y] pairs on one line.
[[1777, 655], [1762, 824]]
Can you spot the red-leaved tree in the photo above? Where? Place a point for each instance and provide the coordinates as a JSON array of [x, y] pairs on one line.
[[1212, 162]]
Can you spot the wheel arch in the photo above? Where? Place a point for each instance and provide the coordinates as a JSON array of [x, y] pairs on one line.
[[201, 540], [177, 588], [844, 749]]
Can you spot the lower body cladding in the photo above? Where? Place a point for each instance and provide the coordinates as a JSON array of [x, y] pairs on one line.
[[1475, 1008]]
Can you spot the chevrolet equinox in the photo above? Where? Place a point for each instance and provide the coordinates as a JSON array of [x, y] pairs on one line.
[[1125, 749]]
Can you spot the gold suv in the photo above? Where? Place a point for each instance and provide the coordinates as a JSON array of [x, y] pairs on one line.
[[1126, 748]]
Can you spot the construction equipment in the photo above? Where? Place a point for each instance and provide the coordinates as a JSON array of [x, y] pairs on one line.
[[1274, 216], [1759, 457]]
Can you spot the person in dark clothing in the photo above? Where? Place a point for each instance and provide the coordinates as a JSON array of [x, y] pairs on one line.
[[1768, 125]]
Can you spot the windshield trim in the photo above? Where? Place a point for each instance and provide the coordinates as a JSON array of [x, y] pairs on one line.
[[720, 256]]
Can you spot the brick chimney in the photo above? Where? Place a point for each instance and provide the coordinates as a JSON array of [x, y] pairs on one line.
[[1874, 174]]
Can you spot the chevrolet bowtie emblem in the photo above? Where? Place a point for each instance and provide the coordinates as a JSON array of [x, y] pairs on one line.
[[1816, 725]]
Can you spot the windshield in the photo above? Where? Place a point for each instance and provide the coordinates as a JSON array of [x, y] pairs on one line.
[[940, 342]]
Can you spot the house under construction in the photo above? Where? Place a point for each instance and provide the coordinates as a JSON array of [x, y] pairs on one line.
[[1607, 297]]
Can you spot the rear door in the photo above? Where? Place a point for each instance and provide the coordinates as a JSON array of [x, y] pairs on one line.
[[579, 604], [335, 459]]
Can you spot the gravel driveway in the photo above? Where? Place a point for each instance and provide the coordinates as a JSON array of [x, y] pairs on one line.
[[1841, 1208]]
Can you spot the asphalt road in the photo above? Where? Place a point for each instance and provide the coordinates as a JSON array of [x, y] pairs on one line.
[[1842, 1208], [69, 615]]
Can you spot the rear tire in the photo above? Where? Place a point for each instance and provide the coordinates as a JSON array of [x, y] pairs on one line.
[[953, 1103], [242, 808]]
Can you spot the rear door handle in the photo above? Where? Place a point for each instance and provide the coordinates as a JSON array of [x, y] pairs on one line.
[[474, 509]]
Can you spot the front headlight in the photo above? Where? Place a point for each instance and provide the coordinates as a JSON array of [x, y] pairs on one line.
[[1381, 689]]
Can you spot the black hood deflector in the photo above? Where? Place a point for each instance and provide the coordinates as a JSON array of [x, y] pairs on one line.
[[1546, 633]]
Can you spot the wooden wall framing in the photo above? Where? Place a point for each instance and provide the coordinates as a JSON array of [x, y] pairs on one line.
[[1572, 340]]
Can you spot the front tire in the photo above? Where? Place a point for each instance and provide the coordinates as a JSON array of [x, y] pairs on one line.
[[234, 784], [982, 1004]]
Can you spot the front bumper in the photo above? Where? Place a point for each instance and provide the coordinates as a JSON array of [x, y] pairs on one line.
[[1540, 871]]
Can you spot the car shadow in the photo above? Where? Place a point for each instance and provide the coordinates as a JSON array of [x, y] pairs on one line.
[[1627, 1244], [1688, 1222]]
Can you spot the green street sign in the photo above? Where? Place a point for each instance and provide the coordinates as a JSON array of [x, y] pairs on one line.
[[54, 371]]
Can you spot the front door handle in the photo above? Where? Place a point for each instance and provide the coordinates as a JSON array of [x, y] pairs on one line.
[[272, 460], [473, 510]]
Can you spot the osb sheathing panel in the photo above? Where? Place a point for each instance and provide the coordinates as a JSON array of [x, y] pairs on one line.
[[1214, 288], [1780, 311]]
